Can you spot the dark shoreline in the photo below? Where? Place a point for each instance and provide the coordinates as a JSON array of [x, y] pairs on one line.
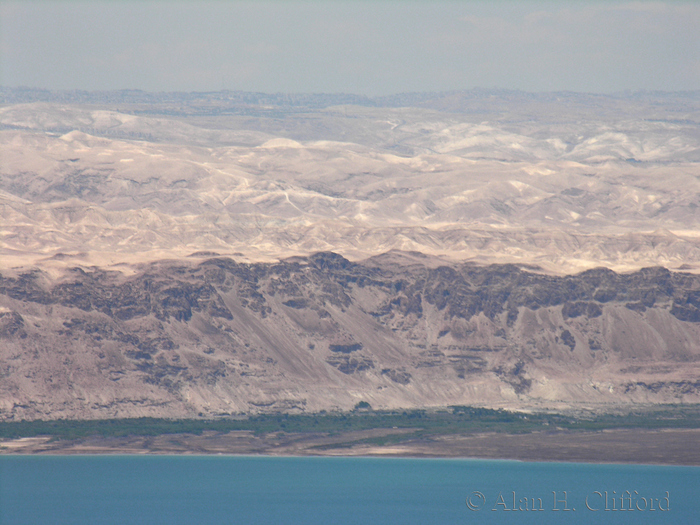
[[680, 447]]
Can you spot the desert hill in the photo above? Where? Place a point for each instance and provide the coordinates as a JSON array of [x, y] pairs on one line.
[[179, 254], [564, 181], [213, 337]]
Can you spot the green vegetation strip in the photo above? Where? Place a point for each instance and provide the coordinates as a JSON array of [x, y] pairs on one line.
[[451, 420]]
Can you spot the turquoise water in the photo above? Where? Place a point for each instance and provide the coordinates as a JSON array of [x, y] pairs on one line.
[[266, 490]]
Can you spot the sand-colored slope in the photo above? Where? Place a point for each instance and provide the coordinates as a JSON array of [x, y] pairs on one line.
[[619, 193]]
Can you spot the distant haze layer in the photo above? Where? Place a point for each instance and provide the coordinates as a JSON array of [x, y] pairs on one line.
[[372, 48]]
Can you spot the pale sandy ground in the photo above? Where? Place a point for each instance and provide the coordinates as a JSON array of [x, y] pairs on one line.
[[565, 192]]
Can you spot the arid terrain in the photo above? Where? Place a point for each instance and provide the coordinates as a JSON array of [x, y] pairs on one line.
[[184, 255], [215, 337], [562, 180]]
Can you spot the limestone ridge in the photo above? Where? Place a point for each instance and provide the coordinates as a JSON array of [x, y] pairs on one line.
[[214, 337]]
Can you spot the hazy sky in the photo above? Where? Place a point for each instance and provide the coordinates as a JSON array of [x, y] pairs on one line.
[[364, 47]]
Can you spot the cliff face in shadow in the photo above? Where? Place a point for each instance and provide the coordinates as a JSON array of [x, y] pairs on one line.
[[213, 336]]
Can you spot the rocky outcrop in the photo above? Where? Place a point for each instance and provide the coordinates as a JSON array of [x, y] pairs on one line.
[[322, 332]]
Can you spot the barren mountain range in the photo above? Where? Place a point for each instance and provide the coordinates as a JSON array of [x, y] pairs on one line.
[[211, 254]]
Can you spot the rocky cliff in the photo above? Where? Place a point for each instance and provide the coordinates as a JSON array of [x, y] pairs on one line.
[[212, 336]]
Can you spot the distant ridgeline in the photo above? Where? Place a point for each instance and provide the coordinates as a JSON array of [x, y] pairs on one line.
[[234, 102]]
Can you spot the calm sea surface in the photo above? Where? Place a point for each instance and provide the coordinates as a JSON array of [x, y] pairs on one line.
[[265, 490]]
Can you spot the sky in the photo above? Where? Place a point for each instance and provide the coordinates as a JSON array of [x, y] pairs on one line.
[[372, 48]]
